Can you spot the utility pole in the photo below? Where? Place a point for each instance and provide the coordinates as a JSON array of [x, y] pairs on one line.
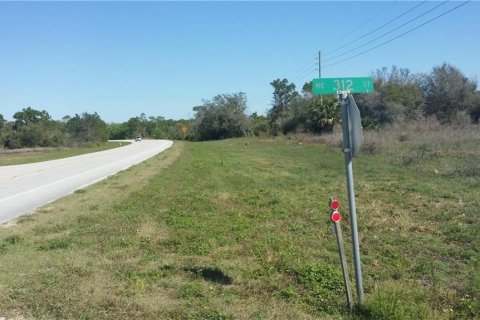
[[320, 71], [319, 64]]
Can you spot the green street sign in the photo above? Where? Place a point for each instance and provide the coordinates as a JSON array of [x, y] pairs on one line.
[[332, 85]]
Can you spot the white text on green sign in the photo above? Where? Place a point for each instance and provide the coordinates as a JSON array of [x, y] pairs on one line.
[[333, 85]]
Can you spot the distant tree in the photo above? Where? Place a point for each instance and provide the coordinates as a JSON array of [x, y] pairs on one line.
[[312, 114], [3, 123], [283, 95], [48, 133], [138, 126], [322, 114], [171, 129], [11, 138], [118, 131], [221, 118], [447, 92], [29, 116], [475, 107], [87, 128], [151, 127], [397, 97], [307, 88], [34, 128], [258, 124]]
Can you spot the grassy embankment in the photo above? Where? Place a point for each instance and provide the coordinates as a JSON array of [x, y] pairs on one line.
[[236, 231], [22, 156]]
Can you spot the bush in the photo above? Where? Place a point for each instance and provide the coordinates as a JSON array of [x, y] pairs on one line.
[[221, 118]]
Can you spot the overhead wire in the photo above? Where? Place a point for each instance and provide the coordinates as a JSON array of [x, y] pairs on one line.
[[304, 70], [399, 36], [389, 32], [368, 20], [308, 68], [300, 73], [376, 29]]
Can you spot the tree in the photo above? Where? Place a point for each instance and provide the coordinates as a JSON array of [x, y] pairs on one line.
[[30, 116], [475, 107], [397, 97], [87, 128], [139, 126], [117, 131], [11, 138], [2, 130], [221, 118], [258, 124], [307, 89], [447, 91], [2, 122], [34, 128], [283, 95], [321, 115], [151, 127], [312, 114], [171, 129]]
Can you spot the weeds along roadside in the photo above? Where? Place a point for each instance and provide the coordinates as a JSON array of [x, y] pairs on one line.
[[449, 150], [423, 186]]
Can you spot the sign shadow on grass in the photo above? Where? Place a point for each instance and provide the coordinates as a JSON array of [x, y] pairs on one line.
[[211, 274]]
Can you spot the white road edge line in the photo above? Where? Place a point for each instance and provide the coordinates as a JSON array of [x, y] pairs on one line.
[[71, 177]]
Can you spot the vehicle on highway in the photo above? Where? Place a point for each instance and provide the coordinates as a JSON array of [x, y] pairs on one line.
[[137, 139]]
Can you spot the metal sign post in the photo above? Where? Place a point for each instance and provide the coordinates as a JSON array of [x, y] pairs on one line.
[[348, 149], [336, 217], [352, 141]]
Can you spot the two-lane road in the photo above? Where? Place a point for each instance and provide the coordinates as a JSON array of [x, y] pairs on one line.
[[29, 186]]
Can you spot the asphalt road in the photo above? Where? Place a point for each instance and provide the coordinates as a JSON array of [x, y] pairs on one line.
[[26, 187]]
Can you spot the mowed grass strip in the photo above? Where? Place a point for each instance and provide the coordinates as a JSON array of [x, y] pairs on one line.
[[239, 229], [23, 156]]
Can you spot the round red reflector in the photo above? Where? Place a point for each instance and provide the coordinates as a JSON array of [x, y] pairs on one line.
[[336, 216], [334, 204]]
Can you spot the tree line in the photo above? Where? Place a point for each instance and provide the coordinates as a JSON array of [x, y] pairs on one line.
[[35, 128], [399, 96]]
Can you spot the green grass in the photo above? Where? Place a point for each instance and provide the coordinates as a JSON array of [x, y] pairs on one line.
[[23, 156], [237, 231]]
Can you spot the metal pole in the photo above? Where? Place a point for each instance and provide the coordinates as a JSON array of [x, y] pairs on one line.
[[319, 64], [347, 150], [320, 71], [343, 262]]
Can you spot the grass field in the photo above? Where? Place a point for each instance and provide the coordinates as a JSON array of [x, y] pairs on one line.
[[239, 229], [22, 156]]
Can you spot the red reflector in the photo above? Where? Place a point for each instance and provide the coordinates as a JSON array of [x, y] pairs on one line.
[[336, 216], [334, 204]]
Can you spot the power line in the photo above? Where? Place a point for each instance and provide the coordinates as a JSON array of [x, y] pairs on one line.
[[376, 29], [309, 70], [387, 33], [370, 19], [399, 36], [296, 76], [306, 67]]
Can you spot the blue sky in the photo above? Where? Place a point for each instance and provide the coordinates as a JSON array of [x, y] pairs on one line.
[[120, 59]]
